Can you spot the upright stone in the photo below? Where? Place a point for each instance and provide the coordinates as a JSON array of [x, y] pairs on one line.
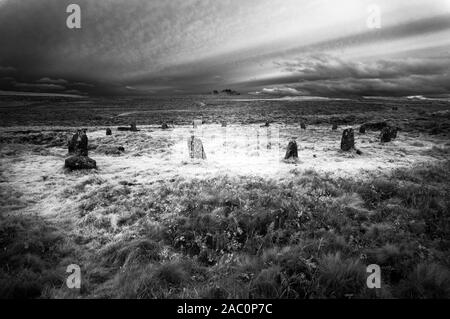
[[83, 144], [164, 126], [77, 145], [195, 147], [133, 127], [292, 150], [303, 125], [72, 143], [108, 131], [362, 129], [197, 123], [348, 140]]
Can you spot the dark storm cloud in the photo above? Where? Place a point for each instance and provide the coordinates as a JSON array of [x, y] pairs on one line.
[[333, 76], [416, 28], [140, 47], [412, 28], [337, 72], [321, 67], [413, 85]]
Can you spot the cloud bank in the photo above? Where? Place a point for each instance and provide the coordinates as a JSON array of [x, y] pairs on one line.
[[290, 47]]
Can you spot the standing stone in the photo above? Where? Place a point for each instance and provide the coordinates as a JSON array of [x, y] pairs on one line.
[[292, 150], [362, 129], [83, 144], [197, 123], [73, 142], [77, 145], [334, 127], [195, 147], [133, 127], [108, 131], [388, 134], [303, 125], [164, 126], [348, 140]]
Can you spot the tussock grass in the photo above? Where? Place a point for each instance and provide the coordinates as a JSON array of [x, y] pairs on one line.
[[311, 236], [427, 280], [31, 250]]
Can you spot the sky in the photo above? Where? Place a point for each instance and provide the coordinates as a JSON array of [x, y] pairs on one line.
[[266, 47]]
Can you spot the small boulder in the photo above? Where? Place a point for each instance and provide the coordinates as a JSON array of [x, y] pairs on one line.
[[266, 124], [224, 124], [334, 127], [164, 126], [291, 150], [132, 128], [80, 162], [362, 129], [303, 125], [195, 147], [388, 134], [348, 140], [108, 131]]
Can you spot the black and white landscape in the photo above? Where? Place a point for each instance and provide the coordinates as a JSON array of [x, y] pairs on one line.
[[224, 149]]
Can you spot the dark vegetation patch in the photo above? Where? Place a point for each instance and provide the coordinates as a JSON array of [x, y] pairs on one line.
[[310, 237], [136, 144], [431, 117], [31, 250], [43, 138]]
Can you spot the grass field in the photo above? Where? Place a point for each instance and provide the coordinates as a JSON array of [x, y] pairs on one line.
[[150, 223]]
